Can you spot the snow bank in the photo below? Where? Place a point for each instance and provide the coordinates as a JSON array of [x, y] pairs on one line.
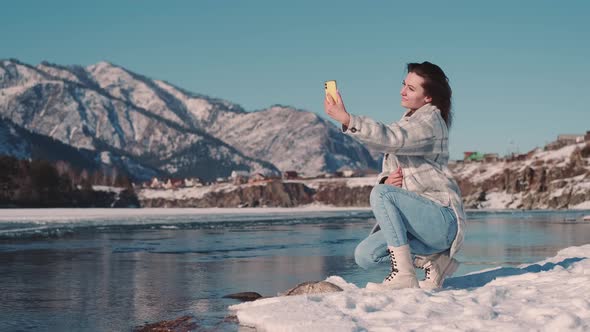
[[501, 200], [551, 295], [185, 193], [352, 182], [582, 206]]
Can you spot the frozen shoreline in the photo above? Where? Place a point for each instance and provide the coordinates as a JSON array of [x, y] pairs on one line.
[[25, 222], [550, 295], [102, 213], [112, 213]]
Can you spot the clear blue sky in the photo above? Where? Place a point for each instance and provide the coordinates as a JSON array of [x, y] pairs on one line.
[[519, 69]]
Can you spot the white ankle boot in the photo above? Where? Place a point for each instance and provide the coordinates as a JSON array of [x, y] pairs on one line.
[[436, 268], [402, 273]]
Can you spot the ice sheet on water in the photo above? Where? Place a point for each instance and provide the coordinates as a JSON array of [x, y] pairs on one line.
[[43, 222]]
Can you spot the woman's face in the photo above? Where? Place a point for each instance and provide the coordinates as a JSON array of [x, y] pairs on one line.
[[412, 92]]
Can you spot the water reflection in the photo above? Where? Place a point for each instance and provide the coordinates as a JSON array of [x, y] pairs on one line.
[[115, 280], [513, 239]]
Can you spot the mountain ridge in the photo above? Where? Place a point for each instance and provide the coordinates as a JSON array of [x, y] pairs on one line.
[[107, 105]]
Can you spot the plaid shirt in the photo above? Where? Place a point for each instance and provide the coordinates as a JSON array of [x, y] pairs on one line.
[[419, 144]]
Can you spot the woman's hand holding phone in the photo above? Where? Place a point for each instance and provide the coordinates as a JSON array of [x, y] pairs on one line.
[[335, 107]]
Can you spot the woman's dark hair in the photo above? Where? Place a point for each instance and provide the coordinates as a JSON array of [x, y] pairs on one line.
[[436, 85]]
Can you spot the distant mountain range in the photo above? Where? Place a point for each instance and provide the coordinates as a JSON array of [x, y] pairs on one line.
[[105, 113]]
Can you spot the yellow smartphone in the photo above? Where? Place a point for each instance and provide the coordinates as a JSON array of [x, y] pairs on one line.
[[330, 87]]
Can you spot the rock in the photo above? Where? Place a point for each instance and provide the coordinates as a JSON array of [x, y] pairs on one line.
[[338, 194], [308, 287], [313, 287], [244, 296], [271, 194], [180, 324], [532, 183], [232, 319]]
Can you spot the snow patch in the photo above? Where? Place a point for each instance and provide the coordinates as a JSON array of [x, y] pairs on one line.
[[58, 72], [184, 193], [582, 206], [550, 295], [200, 108], [116, 190]]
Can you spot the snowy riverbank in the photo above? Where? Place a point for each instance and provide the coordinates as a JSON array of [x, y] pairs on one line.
[[551, 295]]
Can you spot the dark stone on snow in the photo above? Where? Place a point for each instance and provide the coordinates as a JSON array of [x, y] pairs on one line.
[[244, 296]]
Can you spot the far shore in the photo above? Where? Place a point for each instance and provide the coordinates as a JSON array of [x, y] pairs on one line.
[[91, 213]]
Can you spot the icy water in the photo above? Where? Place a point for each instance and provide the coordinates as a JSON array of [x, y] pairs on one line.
[[118, 273]]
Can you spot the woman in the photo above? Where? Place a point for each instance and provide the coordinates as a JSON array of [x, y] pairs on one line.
[[416, 202]]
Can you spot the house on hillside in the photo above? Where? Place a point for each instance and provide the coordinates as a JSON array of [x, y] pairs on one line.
[[239, 177], [563, 140], [193, 182], [290, 175], [570, 139], [174, 184], [257, 177], [349, 173], [155, 183], [235, 174], [469, 156]]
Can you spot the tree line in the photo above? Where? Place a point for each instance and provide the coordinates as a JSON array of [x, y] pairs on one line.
[[41, 183]]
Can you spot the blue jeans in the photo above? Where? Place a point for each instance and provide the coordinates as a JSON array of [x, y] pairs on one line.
[[405, 218]]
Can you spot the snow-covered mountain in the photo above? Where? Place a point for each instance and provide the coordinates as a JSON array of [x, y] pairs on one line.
[[20, 143], [105, 107]]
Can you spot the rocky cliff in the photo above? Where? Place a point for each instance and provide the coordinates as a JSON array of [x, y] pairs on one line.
[[270, 194], [554, 179]]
